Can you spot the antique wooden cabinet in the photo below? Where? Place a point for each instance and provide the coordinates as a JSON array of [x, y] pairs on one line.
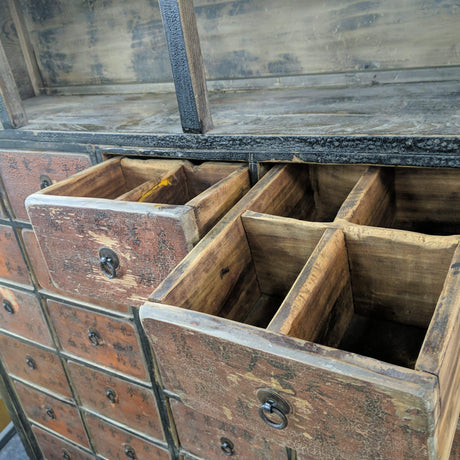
[[270, 188]]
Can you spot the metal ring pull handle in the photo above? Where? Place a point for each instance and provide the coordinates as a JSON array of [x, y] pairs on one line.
[[108, 262], [45, 181], [269, 407], [111, 395], [66, 455], [94, 337], [31, 364], [130, 452], [8, 307], [227, 446], [274, 409], [51, 414]]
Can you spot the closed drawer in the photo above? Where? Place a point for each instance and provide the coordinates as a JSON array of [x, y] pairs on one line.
[[116, 230], [38, 366], [55, 415], [24, 173], [21, 314], [114, 443], [122, 401], [210, 438], [334, 339], [99, 338], [12, 265], [54, 448]]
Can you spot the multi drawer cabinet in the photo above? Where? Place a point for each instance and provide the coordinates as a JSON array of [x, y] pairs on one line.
[[230, 229]]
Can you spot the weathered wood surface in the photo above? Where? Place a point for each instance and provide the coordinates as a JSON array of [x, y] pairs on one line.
[[12, 37], [118, 347], [12, 265], [21, 173], [200, 435], [64, 418], [12, 113], [112, 442], [440, 355], [133, 405], [40, 367], [415, 109], [54, 448], [184, 48], [341, 405], [123, 42], [27, 319], [455, 452]]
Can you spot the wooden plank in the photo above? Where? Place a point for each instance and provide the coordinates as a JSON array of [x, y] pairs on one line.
[[316, 293], [440, 355], [397, 275], [216, 367], [372, 200], [12, 113], [28, 52], [12, 265], [212, 203], [202, 176], [187, 64], [280, 247]]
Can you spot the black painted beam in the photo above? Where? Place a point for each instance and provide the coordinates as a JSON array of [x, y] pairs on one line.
[[12, 114], [181, 31]]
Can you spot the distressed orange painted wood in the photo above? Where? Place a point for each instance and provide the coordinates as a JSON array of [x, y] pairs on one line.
[[37, 366], [125, 402], [12, 265], [98, 338], [25, 316], [57, 416]]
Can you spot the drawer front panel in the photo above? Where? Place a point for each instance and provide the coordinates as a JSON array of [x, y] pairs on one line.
[[116, 444], [40, 367], [209, 438], [218, 368], [26, 172], [12, 265], [54, 448], [98, 338], [125, 402], [21, 313], [60, 417]]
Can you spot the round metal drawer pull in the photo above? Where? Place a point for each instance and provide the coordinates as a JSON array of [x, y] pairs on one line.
[[66, 455], [274, 409], [8, 307], [130, 452], [111, 395], [94, 338], [51, 414], [109, 262], [45, 181], [227, 446], [31, 364]]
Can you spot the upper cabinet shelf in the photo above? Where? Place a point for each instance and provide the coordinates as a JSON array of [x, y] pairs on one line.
[[258, 67]]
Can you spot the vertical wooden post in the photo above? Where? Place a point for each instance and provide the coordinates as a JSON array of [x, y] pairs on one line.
[[187, 64], [12, 114]]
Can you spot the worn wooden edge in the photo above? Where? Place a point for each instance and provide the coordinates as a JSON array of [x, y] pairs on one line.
[[12, 113], [418, 384]]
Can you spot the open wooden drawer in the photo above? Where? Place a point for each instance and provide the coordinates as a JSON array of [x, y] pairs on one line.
[[334, 339], [113, 232]]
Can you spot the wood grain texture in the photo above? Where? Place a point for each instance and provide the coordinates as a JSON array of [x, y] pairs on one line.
[[440, 355], [455, 452], [12, 265], [118, 346], [12, 113], [66, 419], [200, 435], [372, 200], [396, 275], [46, 370], [280, 247], [27, 319], [133, 406], [362, 410], [21, 173], [317, 291], [54, 448], [111, 442], [187, 64], [11, 35]]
